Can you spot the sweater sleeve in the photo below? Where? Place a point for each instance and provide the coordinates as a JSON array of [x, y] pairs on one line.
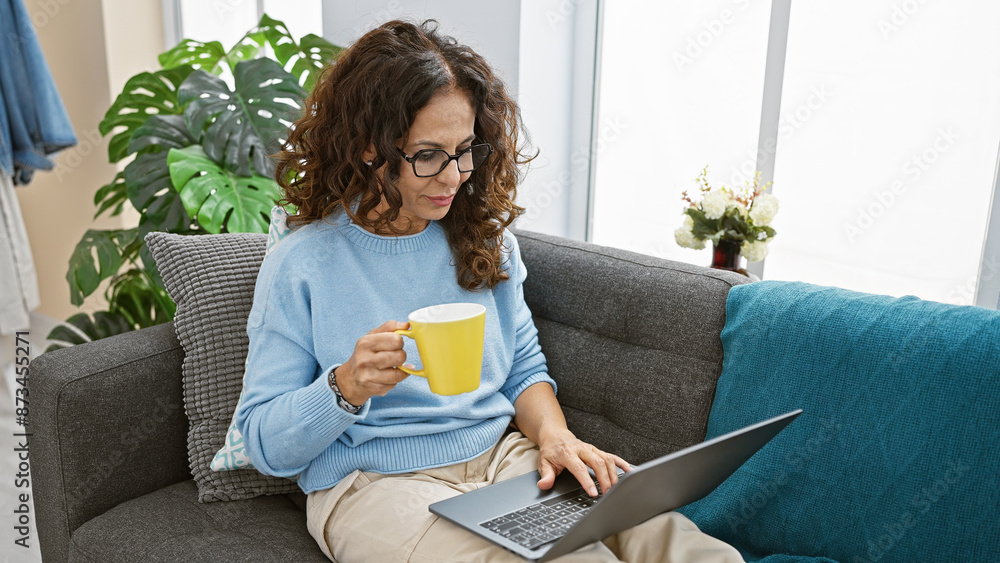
[[289, 413], [529, 365]]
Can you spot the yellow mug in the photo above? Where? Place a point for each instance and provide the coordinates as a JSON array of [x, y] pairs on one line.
[[450, 341]]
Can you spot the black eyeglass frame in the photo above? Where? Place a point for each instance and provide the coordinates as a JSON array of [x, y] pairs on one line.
[[413, 159]]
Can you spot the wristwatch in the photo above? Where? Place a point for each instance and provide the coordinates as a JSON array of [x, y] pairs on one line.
[[341, 401]]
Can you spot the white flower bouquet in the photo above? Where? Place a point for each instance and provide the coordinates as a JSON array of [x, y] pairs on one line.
[[723, 214]]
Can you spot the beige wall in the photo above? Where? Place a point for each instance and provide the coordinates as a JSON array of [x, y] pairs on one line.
[[92, 47]]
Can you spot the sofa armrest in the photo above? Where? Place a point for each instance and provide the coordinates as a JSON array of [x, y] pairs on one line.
[[108, 426]]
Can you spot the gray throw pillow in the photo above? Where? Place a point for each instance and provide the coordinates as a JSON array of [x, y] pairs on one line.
[[211, 279]]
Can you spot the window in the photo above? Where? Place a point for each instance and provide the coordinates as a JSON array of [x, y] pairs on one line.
[[887, 139], [227, 20], [885, 183], [680, 88]]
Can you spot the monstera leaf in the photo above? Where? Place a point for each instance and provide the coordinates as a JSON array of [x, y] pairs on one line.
[[140, 300], [250, 46], [163, 132], [98, 256], [82, 328], [111, 196], [313, 54], [148, 177], [151, 191], [242, 127], [210, 56], [304, 59], [145, 94], [218, 199], [153, 195], [195, 55], [136, 301]]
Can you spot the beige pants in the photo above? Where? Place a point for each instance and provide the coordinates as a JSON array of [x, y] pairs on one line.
[[373, 517]]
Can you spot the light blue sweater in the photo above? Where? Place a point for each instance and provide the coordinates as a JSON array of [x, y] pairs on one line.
[[331, 282]]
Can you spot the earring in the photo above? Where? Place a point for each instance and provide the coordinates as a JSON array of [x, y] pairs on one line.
[[369, 163], [469, 189]]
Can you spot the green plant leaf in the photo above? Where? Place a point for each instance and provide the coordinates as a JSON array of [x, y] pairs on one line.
[[145, 94], [273, 31], [313, 54], [97, 256], [703, 226], [244, 126], [153, 195], [148, 177], [82, 328], [734, 224], [697, 214], [249, 47], [163, 132], [137, 298], [111, 196], [194, 54], [219, 200], [305, 58]]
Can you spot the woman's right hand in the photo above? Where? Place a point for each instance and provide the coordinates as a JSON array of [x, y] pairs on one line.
[[372, 368]]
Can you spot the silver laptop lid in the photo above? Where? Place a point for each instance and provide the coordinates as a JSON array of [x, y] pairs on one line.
[[668, 483], [650, 489]]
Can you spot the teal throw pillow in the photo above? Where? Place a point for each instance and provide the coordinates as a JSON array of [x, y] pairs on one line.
[[895, 456]]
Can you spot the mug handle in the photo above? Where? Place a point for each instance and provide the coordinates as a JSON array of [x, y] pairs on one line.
[[420, 372]]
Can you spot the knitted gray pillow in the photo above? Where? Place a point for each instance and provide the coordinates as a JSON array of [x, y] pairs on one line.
[[211, 279]]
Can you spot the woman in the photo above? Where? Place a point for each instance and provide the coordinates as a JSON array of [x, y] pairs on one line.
[[403, 171]]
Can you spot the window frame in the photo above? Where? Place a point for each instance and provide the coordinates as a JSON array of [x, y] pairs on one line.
[[988, 281], [585, 103], [770, 111]]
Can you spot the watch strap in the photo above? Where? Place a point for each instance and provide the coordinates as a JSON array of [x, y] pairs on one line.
[[341, 401]]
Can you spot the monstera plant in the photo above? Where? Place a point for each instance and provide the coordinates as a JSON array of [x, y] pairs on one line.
[[199, 133]]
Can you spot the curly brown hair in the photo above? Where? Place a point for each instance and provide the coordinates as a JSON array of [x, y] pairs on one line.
[[370, 97]]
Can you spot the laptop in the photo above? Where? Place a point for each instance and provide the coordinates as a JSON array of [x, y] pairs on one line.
[[542, 525]]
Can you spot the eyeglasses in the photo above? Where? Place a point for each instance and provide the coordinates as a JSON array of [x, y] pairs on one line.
[[430, 162]]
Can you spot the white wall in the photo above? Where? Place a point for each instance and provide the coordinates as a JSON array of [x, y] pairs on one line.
[[91, 48], [530, 44]]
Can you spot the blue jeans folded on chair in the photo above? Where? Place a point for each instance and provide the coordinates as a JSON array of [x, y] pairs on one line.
[[894, 457]]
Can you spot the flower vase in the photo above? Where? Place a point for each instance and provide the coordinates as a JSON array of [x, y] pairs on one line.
[[726, 256]]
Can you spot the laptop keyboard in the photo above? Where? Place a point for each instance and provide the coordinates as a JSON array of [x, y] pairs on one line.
[[541, 523]]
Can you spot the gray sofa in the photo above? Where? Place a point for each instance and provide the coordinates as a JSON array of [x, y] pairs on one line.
[[633, 342]]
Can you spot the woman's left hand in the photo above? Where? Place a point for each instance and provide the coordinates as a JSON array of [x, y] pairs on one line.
[[560, 449]]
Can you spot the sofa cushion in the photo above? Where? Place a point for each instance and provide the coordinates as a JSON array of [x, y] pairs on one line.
[[211, 278], [170, 525], [895, 455]]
